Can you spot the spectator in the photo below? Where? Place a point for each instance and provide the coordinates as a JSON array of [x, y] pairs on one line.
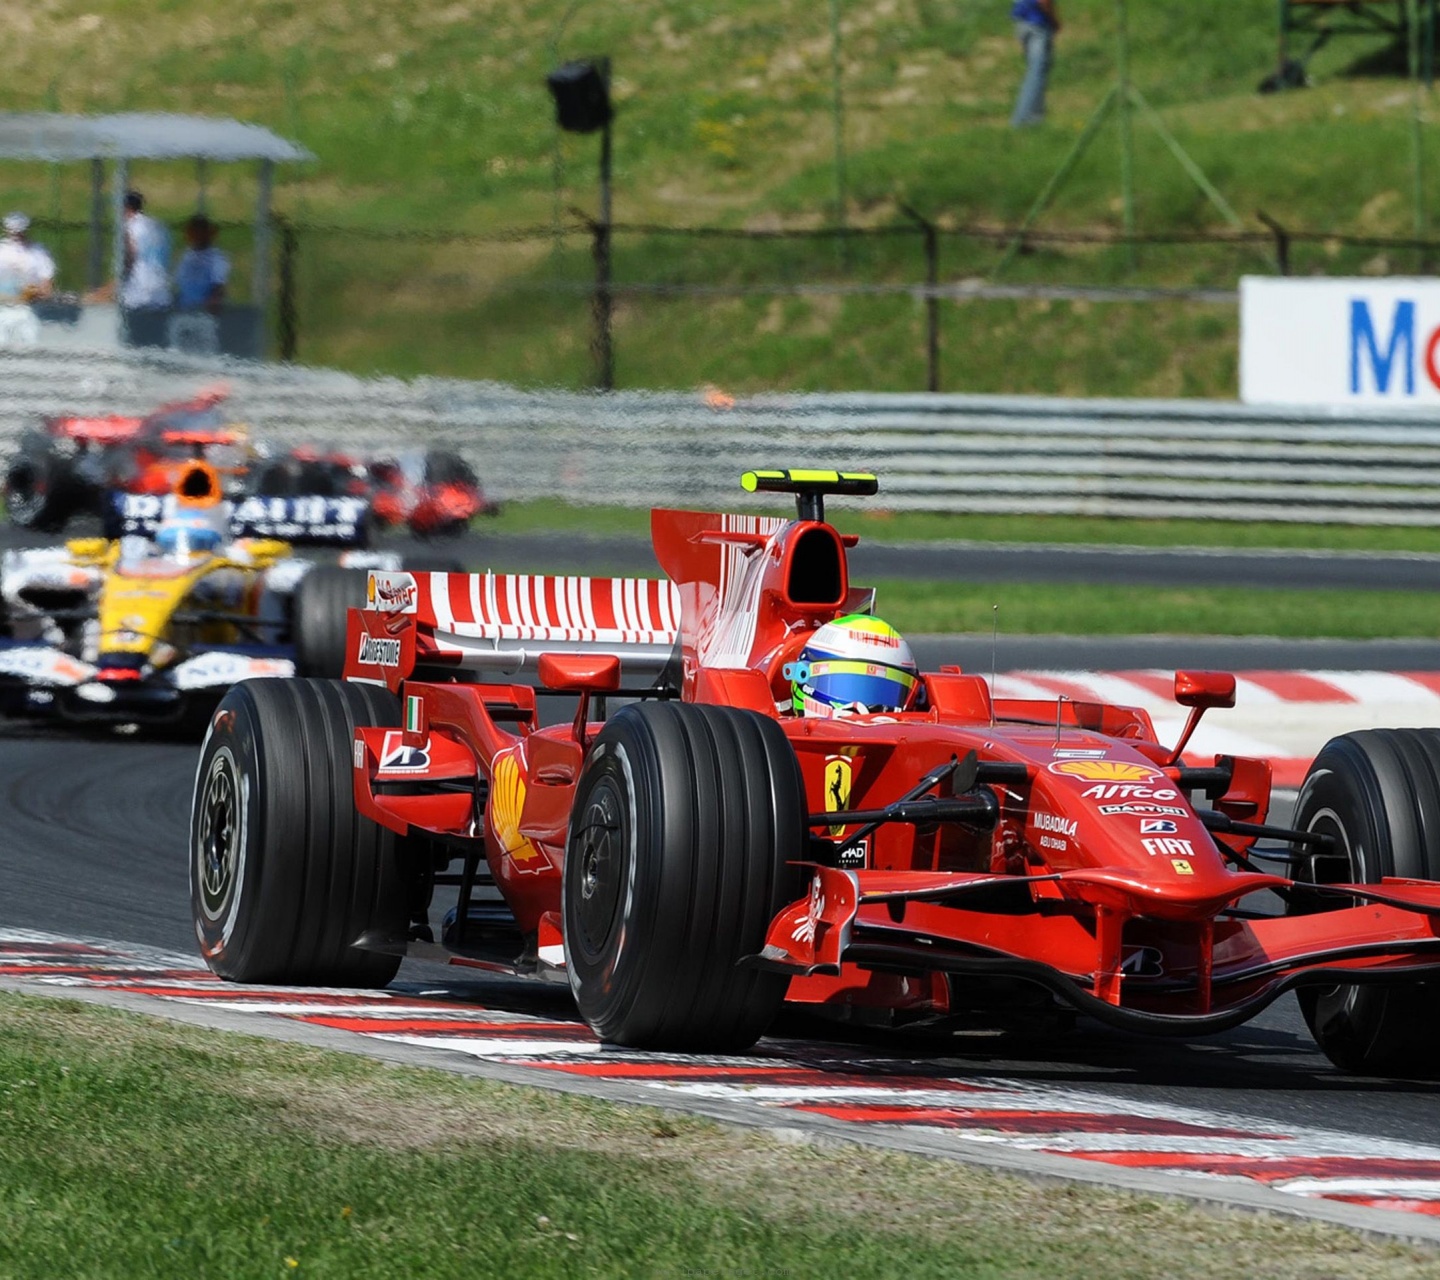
[[1037, 24], [27, 271], [200, 278], [146, 281]]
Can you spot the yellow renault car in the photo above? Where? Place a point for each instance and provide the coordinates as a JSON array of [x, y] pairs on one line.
[[153, 627]]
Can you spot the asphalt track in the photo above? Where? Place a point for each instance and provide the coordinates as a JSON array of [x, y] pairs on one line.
[[93, 828], [93, 838]]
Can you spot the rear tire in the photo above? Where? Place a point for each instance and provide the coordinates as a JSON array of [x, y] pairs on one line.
[[285, 876], [684, 822], [39, 492], [322, 600], [1378, 794]]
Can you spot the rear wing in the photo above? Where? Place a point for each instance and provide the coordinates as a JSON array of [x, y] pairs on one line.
[[112, 428], [503, 623]]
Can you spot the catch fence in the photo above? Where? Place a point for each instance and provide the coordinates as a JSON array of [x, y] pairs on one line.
[[945, 453], [913, 304]]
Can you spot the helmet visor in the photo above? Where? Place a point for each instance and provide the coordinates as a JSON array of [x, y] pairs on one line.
[[834, 685], [186, 540]]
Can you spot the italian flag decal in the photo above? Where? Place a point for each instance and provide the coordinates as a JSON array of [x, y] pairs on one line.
[[412, 714]]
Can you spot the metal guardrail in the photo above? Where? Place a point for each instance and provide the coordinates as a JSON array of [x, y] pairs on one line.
[[1200, 459]]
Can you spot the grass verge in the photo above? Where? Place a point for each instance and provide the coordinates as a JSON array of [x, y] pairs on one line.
[[1098, 610], [550, 515], [140, 1148]]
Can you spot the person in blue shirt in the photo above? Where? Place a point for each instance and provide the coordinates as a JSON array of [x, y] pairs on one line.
[[1036, 23], [203, 271]]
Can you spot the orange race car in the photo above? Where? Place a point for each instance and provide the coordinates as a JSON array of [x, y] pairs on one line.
[[74, 465]]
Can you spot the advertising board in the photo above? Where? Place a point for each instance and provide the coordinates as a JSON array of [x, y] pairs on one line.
[[1345, 342]]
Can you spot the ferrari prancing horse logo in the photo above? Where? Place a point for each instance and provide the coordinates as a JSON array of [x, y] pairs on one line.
[[839, 775]]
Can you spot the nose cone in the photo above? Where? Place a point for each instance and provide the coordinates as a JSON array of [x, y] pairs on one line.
[[1198, 895]]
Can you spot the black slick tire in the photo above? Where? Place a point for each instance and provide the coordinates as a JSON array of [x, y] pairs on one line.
[[39, 492], [685, 824], [1377, 794], [285, 876], [322, 600]]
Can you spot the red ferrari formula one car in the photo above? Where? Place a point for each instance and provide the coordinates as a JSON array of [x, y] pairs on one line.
[[706, 850], [431, 493]]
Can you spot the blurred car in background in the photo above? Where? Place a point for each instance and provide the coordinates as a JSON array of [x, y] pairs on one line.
[[76, 466], [432, 492], [72, 465], [151, 627]]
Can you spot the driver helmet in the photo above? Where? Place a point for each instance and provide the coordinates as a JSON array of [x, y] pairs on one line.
[[183, 534], [856, 665]]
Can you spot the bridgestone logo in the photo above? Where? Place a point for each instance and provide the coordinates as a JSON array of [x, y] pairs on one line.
[[379, 653]]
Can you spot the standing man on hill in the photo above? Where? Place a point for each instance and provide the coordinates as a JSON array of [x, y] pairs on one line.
[[1037, 24]]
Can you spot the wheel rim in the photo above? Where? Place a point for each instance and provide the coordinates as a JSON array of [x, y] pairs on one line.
[[218, 850], [1338, 1000], [1326, 822], [601, 856]]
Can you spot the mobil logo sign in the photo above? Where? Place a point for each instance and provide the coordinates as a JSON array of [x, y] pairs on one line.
[[1340, 342], [1386, 349]]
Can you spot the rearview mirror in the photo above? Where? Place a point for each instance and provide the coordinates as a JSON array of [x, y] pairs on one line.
[[87, 548], [264, 551], [580, 672], [1205, 689]]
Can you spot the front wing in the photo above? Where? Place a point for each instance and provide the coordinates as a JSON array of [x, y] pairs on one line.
[[39, 681], [1182, 977]]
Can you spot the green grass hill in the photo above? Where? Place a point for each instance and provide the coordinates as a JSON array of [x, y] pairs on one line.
[[432, 118]]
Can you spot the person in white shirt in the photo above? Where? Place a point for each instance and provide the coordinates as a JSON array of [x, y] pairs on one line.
[[146, 281], [27, 272]]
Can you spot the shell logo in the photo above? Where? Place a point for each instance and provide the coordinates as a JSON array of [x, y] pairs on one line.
[[1104, 770], [507, 800], [370, 591]]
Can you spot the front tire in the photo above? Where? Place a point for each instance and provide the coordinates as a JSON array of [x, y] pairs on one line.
[[684, 823], [285, 876], [1377, 794]]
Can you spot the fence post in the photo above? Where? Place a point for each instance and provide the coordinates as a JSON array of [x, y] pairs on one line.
[[932, 302], [1282, 241], [287, 325], [602, 345], [602, 342], [95, 273]]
